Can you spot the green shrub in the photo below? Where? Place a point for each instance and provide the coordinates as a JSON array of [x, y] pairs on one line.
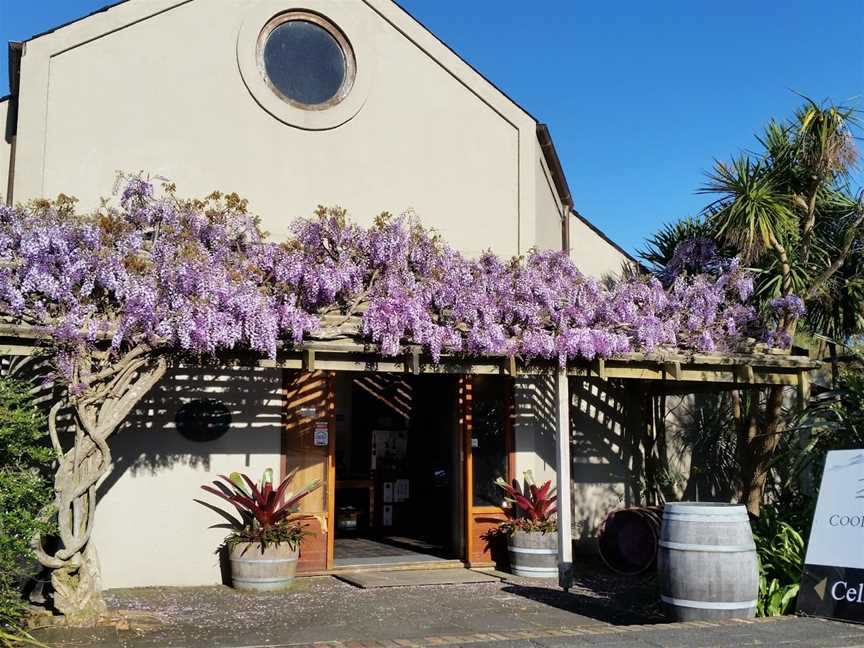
[[781, 561], [25, 491]]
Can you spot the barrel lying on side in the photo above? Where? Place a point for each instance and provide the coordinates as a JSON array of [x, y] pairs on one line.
[[707, 563], [627, 539]]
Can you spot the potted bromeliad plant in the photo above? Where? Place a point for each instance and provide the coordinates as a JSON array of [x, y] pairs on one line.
[[531, 527], [264, 544]]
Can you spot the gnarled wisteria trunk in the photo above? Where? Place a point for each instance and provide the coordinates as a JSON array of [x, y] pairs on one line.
[[99, 403]]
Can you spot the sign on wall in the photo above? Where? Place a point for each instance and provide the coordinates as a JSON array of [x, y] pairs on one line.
[[833, 581]]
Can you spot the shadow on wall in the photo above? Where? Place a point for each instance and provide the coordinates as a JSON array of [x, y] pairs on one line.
[[606, 458], [194, 414], [536, 422]]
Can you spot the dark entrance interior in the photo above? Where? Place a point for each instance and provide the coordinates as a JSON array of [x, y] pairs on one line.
[[397, 469]]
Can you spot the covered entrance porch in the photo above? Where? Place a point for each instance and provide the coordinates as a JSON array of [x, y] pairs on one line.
[[407, 462]]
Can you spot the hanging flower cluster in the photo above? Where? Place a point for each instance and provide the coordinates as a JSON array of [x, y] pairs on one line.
[[200, 276]]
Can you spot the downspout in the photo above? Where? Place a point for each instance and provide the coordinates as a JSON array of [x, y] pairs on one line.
[[547, 147], [16, 51]]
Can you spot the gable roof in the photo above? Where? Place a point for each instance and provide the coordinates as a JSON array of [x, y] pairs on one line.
[[545, 141]]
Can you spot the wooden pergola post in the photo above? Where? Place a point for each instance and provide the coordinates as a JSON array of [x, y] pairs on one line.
[[562, 473]]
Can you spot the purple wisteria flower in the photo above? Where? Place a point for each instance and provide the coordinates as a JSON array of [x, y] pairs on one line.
[[200, 276]]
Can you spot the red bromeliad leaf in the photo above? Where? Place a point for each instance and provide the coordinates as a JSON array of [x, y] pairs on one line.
[[284, 485], [543, 492], [516, 487], [218, 493], [303, 492], [261, 504], [255, 492], [526, 505]]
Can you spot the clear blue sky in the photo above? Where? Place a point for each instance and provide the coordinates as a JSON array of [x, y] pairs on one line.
[[640, 96]]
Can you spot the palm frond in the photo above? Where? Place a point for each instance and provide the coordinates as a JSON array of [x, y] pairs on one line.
[[751, 209]]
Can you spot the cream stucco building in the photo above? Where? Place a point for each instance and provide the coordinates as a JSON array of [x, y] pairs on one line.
[[292, 104]]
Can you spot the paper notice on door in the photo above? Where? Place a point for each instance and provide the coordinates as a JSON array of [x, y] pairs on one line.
[[400, 493], [387, 492]]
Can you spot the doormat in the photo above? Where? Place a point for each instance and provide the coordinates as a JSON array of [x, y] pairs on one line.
[[414, 577]]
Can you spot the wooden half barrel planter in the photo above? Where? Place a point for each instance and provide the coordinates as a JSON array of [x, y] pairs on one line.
[[270, 570], [533, 554], [707, 564]]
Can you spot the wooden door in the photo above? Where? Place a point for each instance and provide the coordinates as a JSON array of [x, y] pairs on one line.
[[308, 408], [486, 418]]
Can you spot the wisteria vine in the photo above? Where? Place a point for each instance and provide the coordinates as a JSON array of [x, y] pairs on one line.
[[200, 276]]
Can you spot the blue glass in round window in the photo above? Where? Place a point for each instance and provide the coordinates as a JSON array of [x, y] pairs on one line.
[[305, 63]]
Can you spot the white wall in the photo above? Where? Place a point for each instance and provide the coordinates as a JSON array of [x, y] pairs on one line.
[[164, 95], [535, 426], [593, 254], [549, 209], [148, 530]]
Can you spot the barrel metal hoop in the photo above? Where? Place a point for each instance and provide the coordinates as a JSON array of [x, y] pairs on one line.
[[700, 517], [530, 550], [733, 511], [544, 570], [260, 580], [684, 546], [709, 605], [247, 561]]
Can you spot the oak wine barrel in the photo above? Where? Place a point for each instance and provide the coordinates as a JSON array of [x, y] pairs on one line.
[[707, 563], [627, 539], [533, 554], [270, 570]]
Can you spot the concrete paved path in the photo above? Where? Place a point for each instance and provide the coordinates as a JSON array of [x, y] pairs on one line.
[[602, 610]]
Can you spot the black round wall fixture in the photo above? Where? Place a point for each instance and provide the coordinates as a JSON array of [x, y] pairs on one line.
[[202, 420]]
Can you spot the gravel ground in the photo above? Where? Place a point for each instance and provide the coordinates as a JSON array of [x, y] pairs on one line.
[[325, 609]]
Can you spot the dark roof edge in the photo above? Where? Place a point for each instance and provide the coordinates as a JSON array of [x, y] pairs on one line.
[[602, 235], [5, 98], [550, 154], [461, 58], [547, 146], [71, 22], [15, 50]]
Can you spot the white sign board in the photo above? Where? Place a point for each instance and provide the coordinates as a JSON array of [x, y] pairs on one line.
[[833, 580]]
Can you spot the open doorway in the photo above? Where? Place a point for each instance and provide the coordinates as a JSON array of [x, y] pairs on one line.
[[398, 469]]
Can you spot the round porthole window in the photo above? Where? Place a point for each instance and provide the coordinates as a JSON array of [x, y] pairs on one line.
[[203, 420], [306, 60]]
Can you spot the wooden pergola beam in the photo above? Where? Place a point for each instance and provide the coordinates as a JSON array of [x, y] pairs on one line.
[[772, 368]]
